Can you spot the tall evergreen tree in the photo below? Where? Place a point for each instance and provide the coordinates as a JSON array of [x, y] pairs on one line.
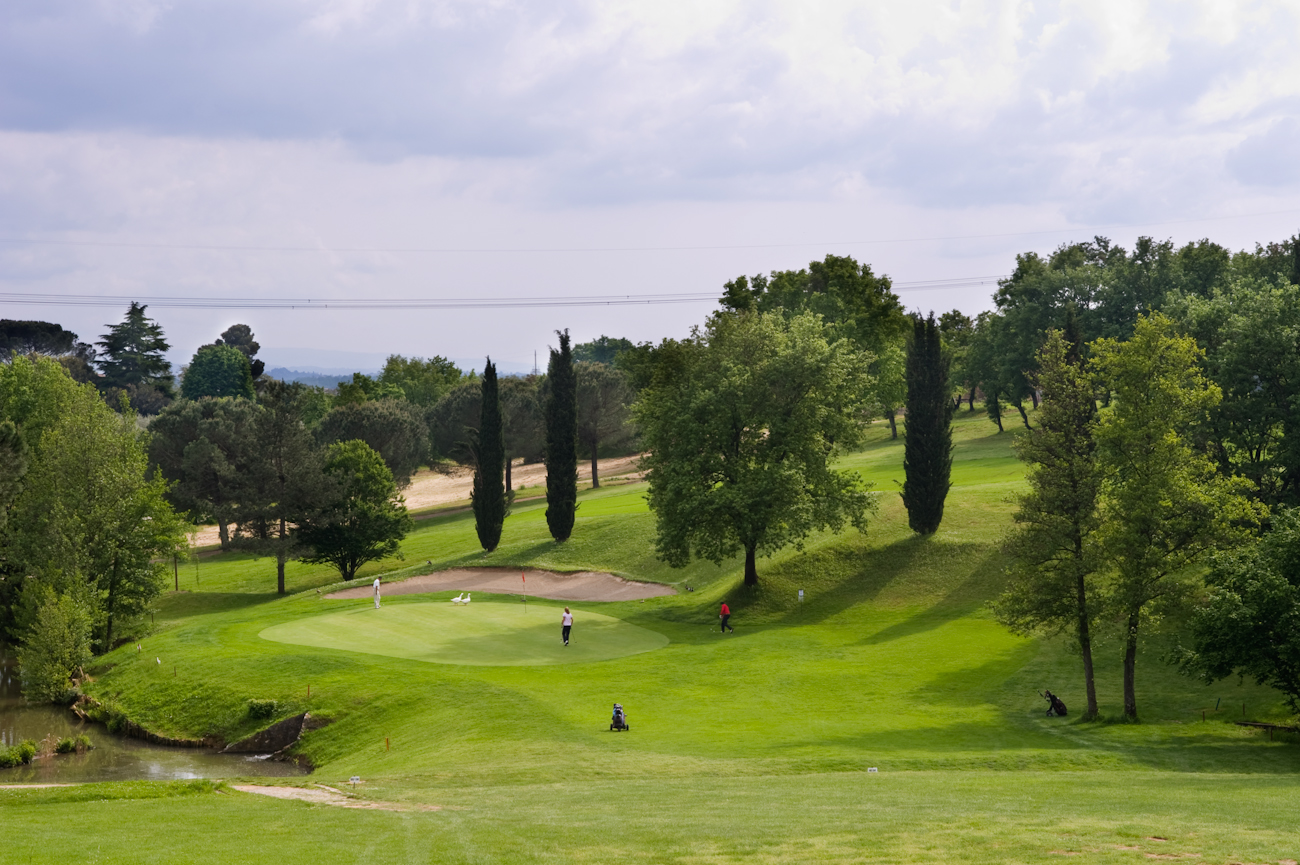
[[1053, 546], [133, 353], [561, 441], [927, 446], [489, 492]]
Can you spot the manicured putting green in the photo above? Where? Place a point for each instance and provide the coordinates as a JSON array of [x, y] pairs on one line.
[[486, 635]]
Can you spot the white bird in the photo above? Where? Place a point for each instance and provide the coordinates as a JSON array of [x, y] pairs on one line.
[[459, 598], [159, 660], [466, 601]]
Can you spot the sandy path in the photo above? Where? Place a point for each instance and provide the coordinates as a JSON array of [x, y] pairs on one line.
[[327, 796], [582, 586], [429, 489]]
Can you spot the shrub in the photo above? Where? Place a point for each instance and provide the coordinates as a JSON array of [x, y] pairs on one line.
[[261, 709], [82, 743], [57, 643], [18, 755], [65, 746]]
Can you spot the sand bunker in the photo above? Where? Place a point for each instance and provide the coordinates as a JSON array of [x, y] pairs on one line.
[[582, 586]]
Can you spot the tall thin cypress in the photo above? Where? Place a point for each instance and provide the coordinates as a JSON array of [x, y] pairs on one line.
[[489, 492], [927, 446], [561, 441]]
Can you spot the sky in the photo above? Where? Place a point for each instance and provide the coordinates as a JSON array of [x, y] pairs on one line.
[[257, 151]]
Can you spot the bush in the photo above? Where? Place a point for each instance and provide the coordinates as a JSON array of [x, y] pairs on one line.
[[65, 746], [18, 755], [57, 643], [261, 709]]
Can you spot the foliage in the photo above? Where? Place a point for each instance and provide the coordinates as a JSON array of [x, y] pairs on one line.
[[604, 350], [217, 371], [422, 382], [1163, 507], [927, 446], [363, 388], [604, 400], [13, 465], [89, 514], [489, 494], [132, 358], [56, 647], [740, 435], [449, 420], [363, 519], [1249, 622], [40, 337], [1250, 331], [393, 427], [285, 482], [1053, 547], [17, 755], [262, 710], [240, 337], [561, 441]]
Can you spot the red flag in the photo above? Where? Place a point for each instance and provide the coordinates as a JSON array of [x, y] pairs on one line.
[[523, 578]]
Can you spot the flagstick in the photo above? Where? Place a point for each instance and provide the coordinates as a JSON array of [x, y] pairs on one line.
[[524, 580]]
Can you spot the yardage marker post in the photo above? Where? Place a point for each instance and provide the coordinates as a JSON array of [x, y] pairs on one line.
[[524, 580]]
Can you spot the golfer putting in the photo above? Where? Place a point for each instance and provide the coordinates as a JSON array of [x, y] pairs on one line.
[[566, 625]]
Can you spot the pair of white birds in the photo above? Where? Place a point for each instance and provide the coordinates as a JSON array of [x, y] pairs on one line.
[[462, 598]]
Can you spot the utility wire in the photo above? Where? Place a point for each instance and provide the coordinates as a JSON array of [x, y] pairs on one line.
[[343, 303]]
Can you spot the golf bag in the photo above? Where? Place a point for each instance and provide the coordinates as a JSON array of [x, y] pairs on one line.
[[619, 721], [1054, 705]]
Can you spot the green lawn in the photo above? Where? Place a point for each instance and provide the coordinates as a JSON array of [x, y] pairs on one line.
[[750, 747]]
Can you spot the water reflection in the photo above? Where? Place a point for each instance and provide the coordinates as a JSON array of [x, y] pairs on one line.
[[114, 758]]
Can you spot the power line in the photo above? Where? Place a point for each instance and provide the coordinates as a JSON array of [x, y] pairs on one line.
[[214, 247], [343, 303]]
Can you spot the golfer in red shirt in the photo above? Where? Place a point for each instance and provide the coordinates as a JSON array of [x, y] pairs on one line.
[[724, 615]]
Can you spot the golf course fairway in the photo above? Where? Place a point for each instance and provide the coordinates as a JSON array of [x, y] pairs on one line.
[[477, 634]]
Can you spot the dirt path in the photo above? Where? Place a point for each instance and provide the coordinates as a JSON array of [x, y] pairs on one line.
[[582, 586], [429, 489], [323, 795]]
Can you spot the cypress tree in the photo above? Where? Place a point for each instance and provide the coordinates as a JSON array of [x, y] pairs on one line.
[[561, 441], [489, 493], [927, 446]]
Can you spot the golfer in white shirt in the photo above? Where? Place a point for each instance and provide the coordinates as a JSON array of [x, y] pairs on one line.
[[567, 622], [376, 593]]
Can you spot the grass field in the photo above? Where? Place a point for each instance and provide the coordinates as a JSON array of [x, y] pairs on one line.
[[752, 747]]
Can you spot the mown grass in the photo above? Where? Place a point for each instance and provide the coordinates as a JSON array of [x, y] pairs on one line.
[[750, 746]]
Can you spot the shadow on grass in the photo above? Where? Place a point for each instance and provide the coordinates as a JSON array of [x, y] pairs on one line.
[[967, 597], [179, 605]]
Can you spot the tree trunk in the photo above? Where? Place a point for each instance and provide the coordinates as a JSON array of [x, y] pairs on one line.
[[223, 532], [595, 478], [1130, 667], [970, 400], [1033, 395], [1020, 407], [279, 558], [751, 571], [893, 423], [508, 481], [1085, 641]]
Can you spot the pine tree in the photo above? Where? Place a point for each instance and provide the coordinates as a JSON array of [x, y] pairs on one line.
[[489, 493], [133, 353], [561, 442], [927, 446]]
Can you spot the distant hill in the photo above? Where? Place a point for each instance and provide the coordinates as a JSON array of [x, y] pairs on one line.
[[315, 379]]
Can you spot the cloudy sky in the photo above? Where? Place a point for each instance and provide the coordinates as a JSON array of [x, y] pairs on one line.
[[401, 149]]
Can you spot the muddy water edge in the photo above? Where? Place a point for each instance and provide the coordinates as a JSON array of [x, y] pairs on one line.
[[113, 758]]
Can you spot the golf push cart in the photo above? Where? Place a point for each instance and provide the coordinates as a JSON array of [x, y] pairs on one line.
[[619, 721]]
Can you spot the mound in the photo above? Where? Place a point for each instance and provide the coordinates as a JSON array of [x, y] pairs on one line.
[[581, 586], [483, 635]]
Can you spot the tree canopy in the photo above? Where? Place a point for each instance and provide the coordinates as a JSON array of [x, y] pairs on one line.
[[741, 423], [218, 370]]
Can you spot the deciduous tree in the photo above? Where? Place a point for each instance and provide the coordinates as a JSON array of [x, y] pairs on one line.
[[604, 414], [393, 427], [217, 371], [363, 520], [1163, 506], [741, 423]]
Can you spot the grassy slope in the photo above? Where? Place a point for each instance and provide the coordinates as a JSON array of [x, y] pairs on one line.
[[891, 662]]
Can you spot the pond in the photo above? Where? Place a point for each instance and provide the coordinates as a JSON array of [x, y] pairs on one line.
[[113, 758]]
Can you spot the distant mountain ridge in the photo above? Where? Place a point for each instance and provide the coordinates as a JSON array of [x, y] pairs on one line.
[[314, 378]]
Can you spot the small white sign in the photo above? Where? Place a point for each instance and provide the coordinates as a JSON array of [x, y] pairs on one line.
[[873, 769], [356, 778], [801, 595]]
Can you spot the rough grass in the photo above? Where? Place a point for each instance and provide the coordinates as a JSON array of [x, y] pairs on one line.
[[745, 747]]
